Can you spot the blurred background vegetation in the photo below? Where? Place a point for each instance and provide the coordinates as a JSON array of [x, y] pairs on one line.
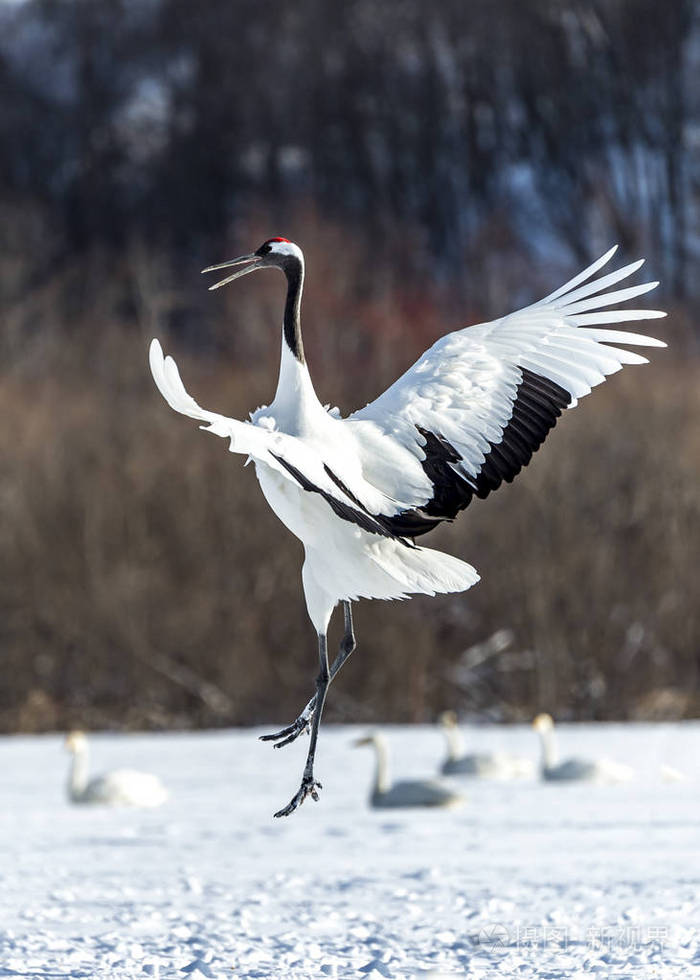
[[440, 163]]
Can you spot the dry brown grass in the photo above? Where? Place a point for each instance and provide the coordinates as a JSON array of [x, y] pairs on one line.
[[146, 583]]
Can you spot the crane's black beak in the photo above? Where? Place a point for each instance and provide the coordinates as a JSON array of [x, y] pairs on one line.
[[243, 265]]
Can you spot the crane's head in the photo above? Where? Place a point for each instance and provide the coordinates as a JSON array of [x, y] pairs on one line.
[[275, 253]]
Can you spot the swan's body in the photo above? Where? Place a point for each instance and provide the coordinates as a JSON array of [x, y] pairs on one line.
[[408, 793], [121, 787], [479, 765], [670, 774], [582, 770], [467, 416]]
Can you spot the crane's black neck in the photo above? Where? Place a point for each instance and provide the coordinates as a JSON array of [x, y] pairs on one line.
[[294, 271]]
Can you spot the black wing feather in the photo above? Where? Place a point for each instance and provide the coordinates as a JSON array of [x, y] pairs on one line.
[[537, 406]]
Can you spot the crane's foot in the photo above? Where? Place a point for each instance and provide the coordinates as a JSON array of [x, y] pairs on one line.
[[309, 787], [293, 731]]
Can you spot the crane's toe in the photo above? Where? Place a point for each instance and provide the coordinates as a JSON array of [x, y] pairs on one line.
[[309, 787], [293, 731]]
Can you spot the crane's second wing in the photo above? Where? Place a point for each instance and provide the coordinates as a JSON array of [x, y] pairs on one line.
[[480, 401], [289, 456]]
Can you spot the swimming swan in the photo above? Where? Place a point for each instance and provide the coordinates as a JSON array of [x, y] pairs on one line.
[[122, 787], [408, 793], [480, 765], [589, 770]]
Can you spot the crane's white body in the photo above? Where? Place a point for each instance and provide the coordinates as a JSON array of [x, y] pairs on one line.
[[409, 792], [464, 389], [601, 770], [121, 787], [371, 568]]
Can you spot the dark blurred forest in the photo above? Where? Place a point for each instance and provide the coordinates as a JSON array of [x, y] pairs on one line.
[[440, 164]]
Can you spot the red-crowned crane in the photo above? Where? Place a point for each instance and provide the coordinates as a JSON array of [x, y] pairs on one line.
[[468, 415]]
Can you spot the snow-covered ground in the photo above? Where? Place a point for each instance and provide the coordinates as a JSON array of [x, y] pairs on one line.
[[526, 880]]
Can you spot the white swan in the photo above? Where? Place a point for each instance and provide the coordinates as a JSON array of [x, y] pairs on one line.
[[408, 793], [122, 787], [589, 770], [480, 765], [670, 774]]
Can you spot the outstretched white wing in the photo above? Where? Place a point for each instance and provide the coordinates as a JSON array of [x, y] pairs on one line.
[[480, 401], [291, 457]]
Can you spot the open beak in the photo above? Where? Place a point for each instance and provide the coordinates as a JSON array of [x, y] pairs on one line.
[[243, 265]]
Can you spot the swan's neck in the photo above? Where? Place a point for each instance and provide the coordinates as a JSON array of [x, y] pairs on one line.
[[78, 774], [549, 751], [381, 776], [454, 743]]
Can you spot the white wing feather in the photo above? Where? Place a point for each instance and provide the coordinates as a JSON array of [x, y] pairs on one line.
[[284, 453], [464, 387]]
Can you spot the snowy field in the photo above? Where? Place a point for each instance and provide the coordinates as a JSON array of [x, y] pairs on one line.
[[526, 880]]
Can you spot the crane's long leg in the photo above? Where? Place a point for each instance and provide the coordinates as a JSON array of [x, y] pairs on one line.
[[309, 785], [302, 723]]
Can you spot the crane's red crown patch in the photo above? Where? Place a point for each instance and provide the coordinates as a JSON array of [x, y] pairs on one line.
[[266, 247]]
